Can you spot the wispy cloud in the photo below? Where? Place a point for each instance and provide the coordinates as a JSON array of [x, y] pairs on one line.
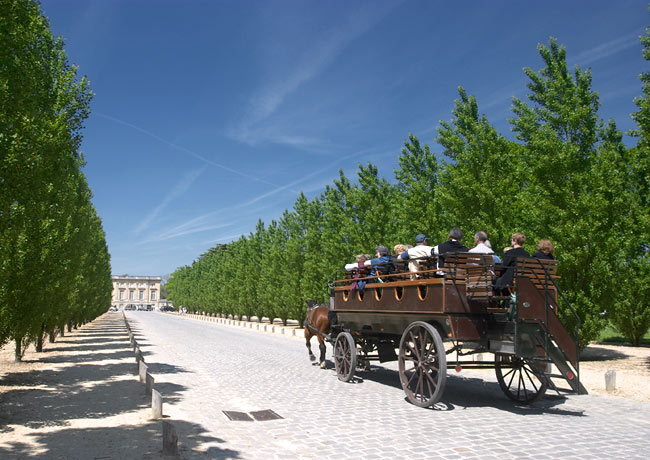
[[179, 189], [607, 49], [222, 239], [266, 101], [175, 233], [205, 222]]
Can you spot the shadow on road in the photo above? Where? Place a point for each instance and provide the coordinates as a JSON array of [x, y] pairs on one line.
[[464, 392], [90, 404]]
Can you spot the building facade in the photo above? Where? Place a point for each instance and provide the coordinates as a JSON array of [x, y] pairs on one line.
[[139, 291]]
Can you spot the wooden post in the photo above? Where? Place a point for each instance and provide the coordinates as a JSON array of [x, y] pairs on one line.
[[170, 439], [148, 382], [156, 404], [142, 370], [610, 380]]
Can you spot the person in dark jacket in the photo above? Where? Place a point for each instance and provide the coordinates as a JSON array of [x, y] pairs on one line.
[[453, 244], [509, 260], [545, 250]]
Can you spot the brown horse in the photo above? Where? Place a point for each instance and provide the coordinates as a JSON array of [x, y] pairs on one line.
[[316, 324]]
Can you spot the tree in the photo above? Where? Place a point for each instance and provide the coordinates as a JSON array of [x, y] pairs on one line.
[[631, 316], [567, 153], [480, 185], [45, 198], [416, 207]]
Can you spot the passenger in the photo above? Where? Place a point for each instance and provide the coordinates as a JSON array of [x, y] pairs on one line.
[[380, 263], [421, 249], [545, 250], [509, 260], [453, 244], [398, 249], [362, 272], [482, 245], [480, 238]]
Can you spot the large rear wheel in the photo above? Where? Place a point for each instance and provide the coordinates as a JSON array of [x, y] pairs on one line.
[[422, 364], [345, 356], [519, 379]]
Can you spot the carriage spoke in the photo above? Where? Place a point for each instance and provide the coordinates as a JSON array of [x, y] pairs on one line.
[[415, 373], [423, 344], [414, 347], [530, 378], [513, 372], [520, 383], [419, 386], [411, 369], [430, 380]]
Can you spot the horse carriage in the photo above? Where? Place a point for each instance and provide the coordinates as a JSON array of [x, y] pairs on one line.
[[421, 318]]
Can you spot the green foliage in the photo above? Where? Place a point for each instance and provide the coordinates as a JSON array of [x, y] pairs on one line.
[[55, 263], [632, 315], [415, 210]]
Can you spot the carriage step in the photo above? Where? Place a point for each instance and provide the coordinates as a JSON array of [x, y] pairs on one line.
[[555, 376], [501, 346]]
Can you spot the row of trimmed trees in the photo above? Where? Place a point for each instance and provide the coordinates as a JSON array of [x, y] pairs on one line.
[[568, 177], [54, 262]]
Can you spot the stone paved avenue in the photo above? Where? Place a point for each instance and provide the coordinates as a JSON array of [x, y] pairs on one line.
[[204, 368]]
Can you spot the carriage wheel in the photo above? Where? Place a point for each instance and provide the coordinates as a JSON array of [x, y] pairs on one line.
[[422, 364], [345, 356], [518, 379]]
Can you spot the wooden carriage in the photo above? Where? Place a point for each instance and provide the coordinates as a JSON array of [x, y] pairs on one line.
[[429, 314]]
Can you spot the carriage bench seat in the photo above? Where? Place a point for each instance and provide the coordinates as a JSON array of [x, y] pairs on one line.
[[541, 272], [476, 271]]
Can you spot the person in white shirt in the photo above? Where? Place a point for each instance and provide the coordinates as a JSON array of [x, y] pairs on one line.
[[482, 245]]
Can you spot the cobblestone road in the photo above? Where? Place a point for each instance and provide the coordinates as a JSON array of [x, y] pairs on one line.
[[205, 368]]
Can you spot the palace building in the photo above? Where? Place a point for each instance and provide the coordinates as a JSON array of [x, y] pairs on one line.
[[139, 292]]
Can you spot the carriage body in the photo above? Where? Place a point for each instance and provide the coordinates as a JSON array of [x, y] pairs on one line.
[[459, 305]]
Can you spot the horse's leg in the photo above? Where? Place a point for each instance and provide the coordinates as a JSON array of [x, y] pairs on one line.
[[308, 335], [323, 349]]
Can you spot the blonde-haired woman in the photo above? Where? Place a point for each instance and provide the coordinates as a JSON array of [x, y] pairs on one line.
[[545, 250]]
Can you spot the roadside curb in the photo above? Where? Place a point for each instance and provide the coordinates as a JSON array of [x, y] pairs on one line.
[[286, 331]]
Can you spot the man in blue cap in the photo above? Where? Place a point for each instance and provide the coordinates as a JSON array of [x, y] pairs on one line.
[[417, 254]]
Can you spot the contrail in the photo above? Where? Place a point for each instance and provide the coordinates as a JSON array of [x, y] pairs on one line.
[[188, 151]]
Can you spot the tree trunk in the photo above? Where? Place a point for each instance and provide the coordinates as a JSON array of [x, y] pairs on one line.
[[52, 335], [62, 331], [18, 355], [70, 326], [39, 341]]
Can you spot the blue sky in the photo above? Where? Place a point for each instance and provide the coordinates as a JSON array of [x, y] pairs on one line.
[[209, 115]]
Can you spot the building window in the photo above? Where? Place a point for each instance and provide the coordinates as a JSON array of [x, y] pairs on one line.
[[121, 294], [132, 295], [153, 295], [141, 296]]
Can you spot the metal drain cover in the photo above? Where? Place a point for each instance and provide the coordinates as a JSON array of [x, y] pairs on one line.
[[238, 416], [264, 415]]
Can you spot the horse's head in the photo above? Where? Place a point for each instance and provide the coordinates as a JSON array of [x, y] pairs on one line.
[[311, 304]]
